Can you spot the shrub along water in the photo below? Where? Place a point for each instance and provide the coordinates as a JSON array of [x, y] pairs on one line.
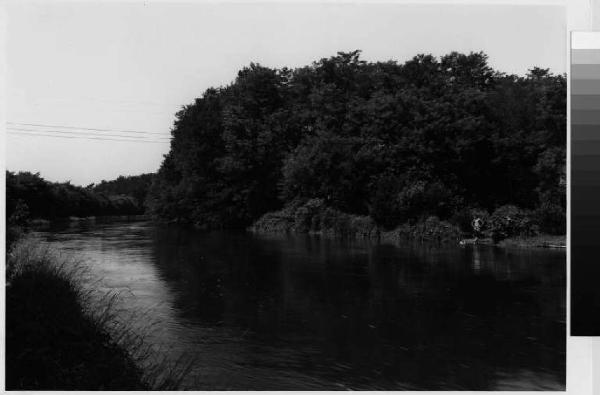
[[314, 217]]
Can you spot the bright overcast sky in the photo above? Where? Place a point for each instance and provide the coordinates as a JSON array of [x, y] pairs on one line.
[[130, 66]]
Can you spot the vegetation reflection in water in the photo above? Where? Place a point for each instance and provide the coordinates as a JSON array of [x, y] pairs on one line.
[[301, 312]]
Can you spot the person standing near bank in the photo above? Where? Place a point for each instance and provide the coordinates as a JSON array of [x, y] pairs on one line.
[[477, 225]]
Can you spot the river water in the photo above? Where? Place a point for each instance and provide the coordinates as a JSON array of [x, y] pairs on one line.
[[308, 313]]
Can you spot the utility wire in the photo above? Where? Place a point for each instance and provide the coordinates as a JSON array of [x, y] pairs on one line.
[[83, 128], [81, 133], [85, 138]]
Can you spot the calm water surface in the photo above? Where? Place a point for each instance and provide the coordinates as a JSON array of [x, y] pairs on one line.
[[303, 313]]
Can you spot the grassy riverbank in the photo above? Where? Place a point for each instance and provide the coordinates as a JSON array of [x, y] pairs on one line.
[[58, 339], [314, 217], [52, 342]]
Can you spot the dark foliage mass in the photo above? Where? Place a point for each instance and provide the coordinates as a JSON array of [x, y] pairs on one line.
[[30, 196], [398, 142]]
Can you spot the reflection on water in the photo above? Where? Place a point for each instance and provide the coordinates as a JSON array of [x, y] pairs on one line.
[[300, 312]]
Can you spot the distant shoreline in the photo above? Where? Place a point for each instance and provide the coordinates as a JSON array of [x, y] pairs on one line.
[[41, 222], [357, 227], [557, 242], [320, 220]]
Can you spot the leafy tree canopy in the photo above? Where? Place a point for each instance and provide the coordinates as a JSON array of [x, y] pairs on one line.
[[396, 141]]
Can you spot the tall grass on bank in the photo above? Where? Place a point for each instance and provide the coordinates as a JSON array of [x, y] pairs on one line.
[[61, 336]]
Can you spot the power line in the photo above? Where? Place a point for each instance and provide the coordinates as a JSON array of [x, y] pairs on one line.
[[83, 128], [81, 133], [85, 138]]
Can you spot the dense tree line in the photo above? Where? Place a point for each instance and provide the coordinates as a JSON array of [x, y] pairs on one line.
[[30, 196], [398, 142], [134, 186]]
